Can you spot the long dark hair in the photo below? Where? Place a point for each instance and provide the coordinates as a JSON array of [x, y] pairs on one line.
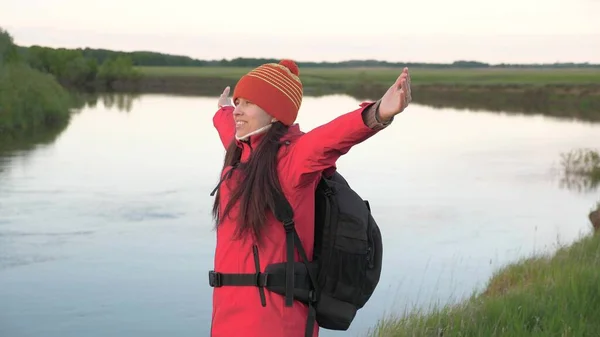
[[257, 185]]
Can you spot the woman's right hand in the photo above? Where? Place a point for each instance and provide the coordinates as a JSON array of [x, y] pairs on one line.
[[224, 99]]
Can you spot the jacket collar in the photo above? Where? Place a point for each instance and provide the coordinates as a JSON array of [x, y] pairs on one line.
[[252, 142]]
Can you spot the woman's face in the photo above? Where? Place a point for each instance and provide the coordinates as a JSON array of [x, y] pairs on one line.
[[249, 117]]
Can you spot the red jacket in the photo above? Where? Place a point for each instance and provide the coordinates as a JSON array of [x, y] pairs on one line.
[[237, 311]]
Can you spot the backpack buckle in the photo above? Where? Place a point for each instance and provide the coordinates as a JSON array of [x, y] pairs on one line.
[[288, 225], [261, 279], [214, 279]]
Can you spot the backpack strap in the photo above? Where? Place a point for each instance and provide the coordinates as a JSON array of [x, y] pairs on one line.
[[285, 214]]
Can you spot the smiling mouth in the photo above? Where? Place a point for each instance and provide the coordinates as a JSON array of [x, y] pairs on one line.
[[239, 123]]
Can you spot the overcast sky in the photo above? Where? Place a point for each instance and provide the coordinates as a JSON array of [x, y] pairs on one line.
[[518, 31]]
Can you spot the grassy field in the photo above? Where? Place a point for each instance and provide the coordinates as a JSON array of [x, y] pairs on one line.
[[564, 93], [420, 76], [542, 296]]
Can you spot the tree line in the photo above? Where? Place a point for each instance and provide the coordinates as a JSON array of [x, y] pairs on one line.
[[73, 69], [147, 58]]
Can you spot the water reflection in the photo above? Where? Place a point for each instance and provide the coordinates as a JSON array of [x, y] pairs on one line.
[[27, 140], [109, 100], [557, 102], [538, 101], [23, 144], [548, 101], [581, 173], [580, 170]]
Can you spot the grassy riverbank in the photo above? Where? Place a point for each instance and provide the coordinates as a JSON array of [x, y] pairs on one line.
[[541, 296], [40, 87], [548, 295], [29, 99]]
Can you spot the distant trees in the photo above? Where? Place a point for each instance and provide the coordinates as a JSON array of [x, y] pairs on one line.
[[8, 50], [151, 59], [68, 66], [117, 68], [142, 58], [73, 69]]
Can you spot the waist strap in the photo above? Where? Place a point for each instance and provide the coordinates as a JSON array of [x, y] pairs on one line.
[[267, 280], [217, 280], [276, 282]]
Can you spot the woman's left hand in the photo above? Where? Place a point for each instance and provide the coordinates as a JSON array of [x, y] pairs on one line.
[[397, 97]]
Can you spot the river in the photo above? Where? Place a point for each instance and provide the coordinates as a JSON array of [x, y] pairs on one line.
[[106, 230]]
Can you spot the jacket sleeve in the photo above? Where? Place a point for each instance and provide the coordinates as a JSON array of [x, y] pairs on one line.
[[320, 148], [225, 125]]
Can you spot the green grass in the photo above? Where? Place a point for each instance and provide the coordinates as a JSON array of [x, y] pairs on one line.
[[420, 76], [542, 296]]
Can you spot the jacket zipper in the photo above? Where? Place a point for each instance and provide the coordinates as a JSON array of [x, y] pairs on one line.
[[261, 290]]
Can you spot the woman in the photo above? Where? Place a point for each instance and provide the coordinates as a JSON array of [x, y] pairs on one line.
[[266, 153]]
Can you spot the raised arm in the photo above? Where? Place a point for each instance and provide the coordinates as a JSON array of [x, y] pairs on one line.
[[320, 148], [225, 125], [223, 118]]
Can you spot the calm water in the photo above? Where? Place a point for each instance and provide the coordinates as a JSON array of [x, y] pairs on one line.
[[107, 231]]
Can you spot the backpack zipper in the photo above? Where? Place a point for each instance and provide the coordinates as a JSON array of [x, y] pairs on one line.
[[370, 258], [328, 219], [370, 251]]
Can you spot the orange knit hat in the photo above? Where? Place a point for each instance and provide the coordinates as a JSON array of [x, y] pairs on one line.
[[276, 88]]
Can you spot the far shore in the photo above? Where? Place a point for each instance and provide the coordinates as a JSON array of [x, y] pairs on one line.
[[565, 93]]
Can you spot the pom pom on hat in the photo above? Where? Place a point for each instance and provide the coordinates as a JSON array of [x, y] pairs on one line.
[[291, 65]]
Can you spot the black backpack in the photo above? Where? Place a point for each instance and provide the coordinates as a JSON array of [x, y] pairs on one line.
[[346, 263]]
